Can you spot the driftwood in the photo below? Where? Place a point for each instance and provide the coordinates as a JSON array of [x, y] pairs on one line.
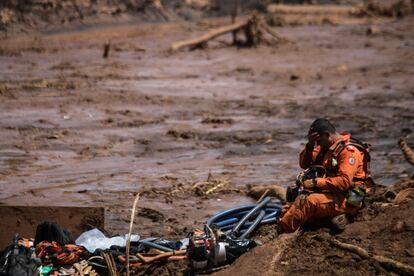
[[254, 29], [386, 262], [407, 151]]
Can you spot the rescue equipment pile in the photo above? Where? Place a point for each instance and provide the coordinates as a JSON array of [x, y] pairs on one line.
[[54, 252]]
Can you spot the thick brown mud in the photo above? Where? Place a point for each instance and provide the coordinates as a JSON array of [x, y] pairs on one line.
[[80, 130]]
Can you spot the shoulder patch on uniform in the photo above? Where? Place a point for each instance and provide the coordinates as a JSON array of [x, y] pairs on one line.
[[351, 160], [351, 148]]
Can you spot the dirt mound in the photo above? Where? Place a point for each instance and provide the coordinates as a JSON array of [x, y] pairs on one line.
[[383, 228]]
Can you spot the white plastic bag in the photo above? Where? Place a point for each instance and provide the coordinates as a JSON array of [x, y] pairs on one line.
[[95, 239]]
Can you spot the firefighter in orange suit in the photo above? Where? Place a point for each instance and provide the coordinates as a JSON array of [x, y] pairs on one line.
[[346, 165]]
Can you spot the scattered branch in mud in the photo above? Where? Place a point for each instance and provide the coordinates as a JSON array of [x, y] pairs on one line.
[[254, 30], [407, 151], [208, 188], [388, 263], [107, 47]]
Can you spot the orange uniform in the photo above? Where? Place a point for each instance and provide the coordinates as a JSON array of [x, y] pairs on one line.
[[345, 170]]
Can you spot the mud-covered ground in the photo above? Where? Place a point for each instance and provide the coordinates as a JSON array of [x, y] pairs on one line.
[[383, 228], [80, 130]]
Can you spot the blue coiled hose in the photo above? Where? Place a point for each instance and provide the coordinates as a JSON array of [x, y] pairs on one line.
[[242, 221]]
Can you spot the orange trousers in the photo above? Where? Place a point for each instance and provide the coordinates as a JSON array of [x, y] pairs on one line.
[[307, 208]]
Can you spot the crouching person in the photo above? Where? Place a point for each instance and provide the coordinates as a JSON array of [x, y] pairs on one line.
[[338, 191]]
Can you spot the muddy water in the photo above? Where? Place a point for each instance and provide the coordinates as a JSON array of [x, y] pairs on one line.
[[78, 130]]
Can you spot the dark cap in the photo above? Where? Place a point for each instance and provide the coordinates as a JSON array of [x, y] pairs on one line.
[[321, 126]]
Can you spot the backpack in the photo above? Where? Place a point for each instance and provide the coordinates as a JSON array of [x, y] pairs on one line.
[[16, 260], [365, 149]]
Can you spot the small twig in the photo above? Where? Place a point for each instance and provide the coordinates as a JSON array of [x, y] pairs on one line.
[[196, 185], [107, 47], [263, 196], [128, 243], [219, 185]]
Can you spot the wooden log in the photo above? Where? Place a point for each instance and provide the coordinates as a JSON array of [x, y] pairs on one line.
[[211, 35]]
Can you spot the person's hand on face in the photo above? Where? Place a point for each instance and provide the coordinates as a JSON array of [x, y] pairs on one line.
[[312, 139]]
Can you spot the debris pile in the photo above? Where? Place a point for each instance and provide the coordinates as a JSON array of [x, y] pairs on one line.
[[54, 252]]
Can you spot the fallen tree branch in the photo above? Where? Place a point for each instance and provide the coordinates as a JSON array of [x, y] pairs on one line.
[[407, 151], [254, 30], [386, 262], [211, 35]]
